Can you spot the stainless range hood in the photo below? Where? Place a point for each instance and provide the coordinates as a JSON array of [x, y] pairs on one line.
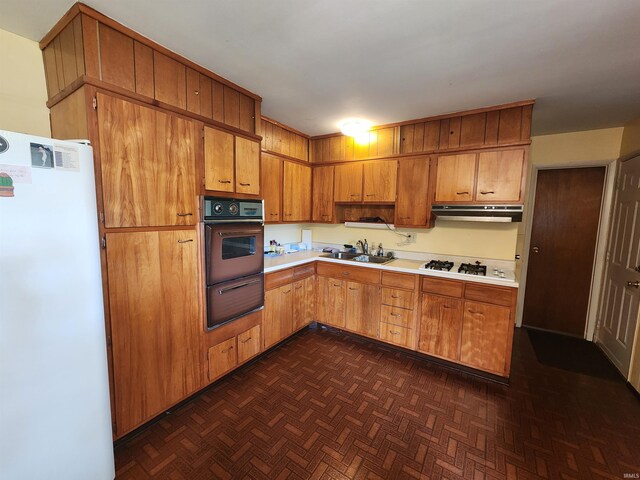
[[478, 213]]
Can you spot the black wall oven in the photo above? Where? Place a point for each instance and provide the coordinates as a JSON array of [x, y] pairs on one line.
[[234, 260]]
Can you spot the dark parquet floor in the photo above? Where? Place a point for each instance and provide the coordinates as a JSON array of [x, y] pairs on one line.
[[325, 405]]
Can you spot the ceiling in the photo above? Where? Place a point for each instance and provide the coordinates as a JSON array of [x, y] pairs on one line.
[[317, 62]]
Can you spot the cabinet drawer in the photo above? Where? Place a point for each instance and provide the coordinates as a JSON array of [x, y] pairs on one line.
[[397, 298], [395, 334], [249, 344], [399, 280], [450, 288], [397, 316], [222, 358], [277, 279], [304, 271], [489, 294], [356, 274]]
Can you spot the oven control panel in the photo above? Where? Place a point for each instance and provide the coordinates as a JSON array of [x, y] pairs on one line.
[[216, 209]]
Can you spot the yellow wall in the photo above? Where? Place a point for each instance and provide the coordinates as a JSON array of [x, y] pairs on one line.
[[23, 92], [453, 238], [631, 138]]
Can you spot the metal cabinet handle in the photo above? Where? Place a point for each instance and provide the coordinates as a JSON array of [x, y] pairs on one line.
[[370, 195], [185, 241], [355, 194], [346, 273], [474, 312], [288, 291], [184, 214], [535, 250], [635, 284], [487, 192], [445, 306], [394, 332], [235, 287], [230, 348], [245, 341], [224, 181], [337, 285], [462, 193], [237, 234], [273, 214], [351, 288], [395, 296], [245, 184], [396, 315]]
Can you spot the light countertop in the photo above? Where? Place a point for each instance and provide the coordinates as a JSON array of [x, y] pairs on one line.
[[273, 264]]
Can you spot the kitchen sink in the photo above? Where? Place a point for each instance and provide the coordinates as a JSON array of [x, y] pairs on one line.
[[341, 255], [358, 257], [371, 259]]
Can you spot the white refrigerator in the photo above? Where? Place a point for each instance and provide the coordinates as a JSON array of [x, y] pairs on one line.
[[55, 417]]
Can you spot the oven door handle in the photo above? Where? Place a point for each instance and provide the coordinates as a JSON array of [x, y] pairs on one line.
[[235, 287], [238, 234]]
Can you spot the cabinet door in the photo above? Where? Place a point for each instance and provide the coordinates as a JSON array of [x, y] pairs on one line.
[[303, 302], [362, 308], [296, 200], [500, 176], [412, 204], [485, 336], [455, 177], [380, 181], [247, 166], [155, 322], [249, 343], [330, 308], [323, 194], [170, 79], [440, 326], [147, 165], [223, 357], [277, 320], [271, 180], [218, 160], [348, 183]]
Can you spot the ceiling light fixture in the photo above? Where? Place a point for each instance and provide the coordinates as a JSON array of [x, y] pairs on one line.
[[355, 127]]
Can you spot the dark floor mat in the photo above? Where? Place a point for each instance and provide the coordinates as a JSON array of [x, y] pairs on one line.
[[572, 354]]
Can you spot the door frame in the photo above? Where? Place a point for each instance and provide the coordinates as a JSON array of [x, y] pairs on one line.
[[599, 261]]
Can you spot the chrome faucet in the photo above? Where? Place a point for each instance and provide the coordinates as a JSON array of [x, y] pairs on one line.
[[364, 246]]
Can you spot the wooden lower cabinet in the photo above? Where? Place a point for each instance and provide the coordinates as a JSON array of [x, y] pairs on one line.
[[440, 326], [362, 308], [486, 337], [303, 302], [155, 322], [277, 321], [395, 334], [331, 301], [249, 344], [223, 357]]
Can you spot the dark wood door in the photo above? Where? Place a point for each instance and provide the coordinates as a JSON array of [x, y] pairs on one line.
[[563, 241]]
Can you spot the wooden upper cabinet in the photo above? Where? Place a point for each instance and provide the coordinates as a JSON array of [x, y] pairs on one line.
[[170, 80], [271, 183], [218, 160], [348, 183], [280, 140], [232, 163], [486, 331], [412, 204], [455, 178], [379, 183], [500, 176], [147, 163], [155, 331], [323, 194], [296, 199], [144, 69], [116, 58], [247, 166], [440, 326]]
